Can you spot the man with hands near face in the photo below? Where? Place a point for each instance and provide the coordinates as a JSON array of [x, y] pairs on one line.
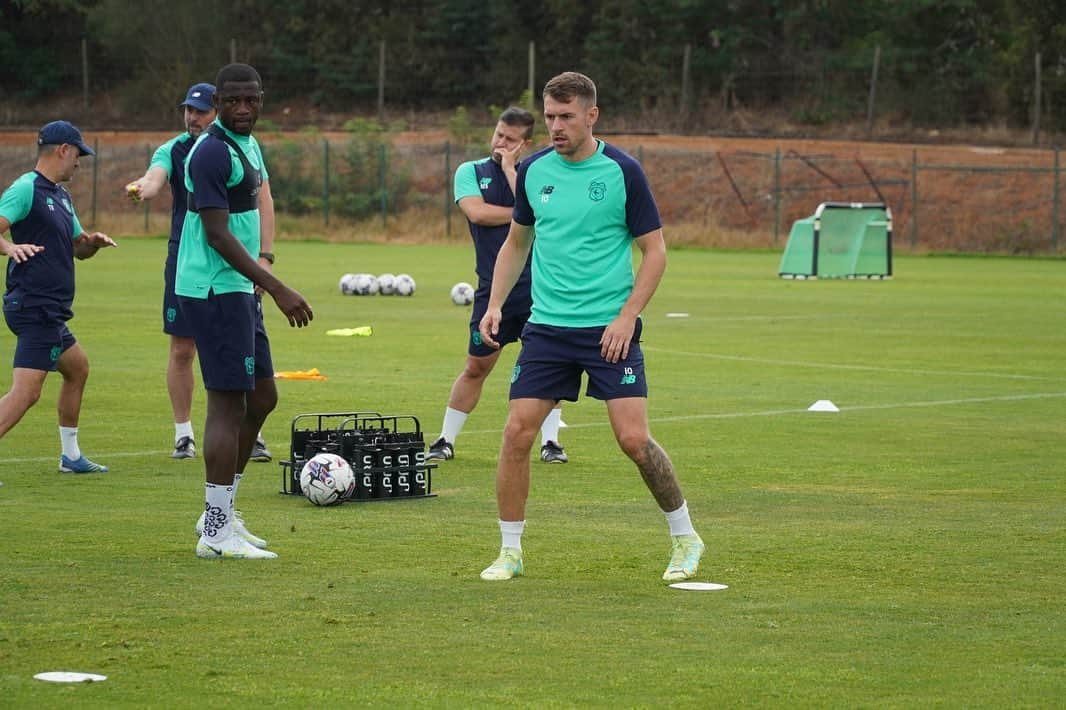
[[484, 191]]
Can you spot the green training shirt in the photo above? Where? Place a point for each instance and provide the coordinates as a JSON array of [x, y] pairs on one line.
[[211, 168], [586, 216]]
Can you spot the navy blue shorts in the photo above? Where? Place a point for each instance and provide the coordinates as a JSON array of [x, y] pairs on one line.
[[514, 317], [231, 340], [174, 321], [41, 335], [552, 359]]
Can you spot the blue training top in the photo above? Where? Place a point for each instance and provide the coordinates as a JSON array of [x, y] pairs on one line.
[[485, 178], [41, 212], [171, 158]]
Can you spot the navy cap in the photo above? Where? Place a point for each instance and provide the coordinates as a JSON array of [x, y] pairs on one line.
[[60, 132], [199, 97]]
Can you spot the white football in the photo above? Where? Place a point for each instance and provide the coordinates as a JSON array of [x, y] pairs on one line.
[[347, 284], [386, 284], [405, 285], [327, 479], [365, 285], [462, 294]]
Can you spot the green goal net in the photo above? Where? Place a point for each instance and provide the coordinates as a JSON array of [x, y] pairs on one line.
[[843, 240]]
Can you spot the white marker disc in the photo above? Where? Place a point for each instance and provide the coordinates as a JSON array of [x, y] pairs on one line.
[[69, 677], [699, 586]]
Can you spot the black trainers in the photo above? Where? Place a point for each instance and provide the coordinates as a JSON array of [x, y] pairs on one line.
[[440, 450], [260, 452], [553, 453], [184, 449]]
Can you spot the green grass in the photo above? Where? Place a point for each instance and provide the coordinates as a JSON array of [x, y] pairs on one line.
[[908, 551]]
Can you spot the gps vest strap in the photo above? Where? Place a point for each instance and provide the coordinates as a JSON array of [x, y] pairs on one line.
[[244, 196]]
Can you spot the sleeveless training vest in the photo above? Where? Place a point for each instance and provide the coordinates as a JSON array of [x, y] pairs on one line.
[[244, 196]]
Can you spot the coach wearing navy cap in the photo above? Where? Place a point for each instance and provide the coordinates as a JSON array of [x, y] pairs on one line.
[[63, 133], [45, 237], [199, 97]]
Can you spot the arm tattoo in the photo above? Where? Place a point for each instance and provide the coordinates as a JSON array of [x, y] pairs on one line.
[[658, 474]]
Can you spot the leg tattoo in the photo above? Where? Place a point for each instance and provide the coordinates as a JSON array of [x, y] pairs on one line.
[[658, 474]]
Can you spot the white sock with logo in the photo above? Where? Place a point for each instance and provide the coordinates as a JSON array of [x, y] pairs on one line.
[[453, 424], [679, 521], [218, 512], [511, 532], [182, 429], [68, 439]]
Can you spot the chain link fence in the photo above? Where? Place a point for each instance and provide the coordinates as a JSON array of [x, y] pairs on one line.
[[988, 201]]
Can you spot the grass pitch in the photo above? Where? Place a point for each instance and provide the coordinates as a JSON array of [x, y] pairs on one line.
[[907, 551]]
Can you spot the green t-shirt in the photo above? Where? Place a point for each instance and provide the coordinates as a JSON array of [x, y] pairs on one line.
[[210, 170], [586, 216]]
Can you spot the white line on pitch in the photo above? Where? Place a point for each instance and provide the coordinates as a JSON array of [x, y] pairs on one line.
[[874, 368], [688, 417], [719, 319], [856, 408], [116, 455]]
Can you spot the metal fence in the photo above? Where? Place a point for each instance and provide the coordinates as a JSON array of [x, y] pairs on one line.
[[992, 201]]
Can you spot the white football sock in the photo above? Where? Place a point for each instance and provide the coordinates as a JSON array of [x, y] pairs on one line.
[[68, 439], [680, 523], [182, 429], [549, 430], [218, 513], [453, 424], [236, 482], [511, 532]]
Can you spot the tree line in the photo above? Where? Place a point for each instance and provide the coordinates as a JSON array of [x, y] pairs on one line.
[[684, 63]]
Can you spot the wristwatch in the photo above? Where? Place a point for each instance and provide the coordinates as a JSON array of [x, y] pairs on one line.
[[269, 256]]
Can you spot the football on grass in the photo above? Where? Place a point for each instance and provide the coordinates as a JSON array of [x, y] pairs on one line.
[[405, 285], [462, 294], [386, 284], [365, 285], [327, 479], [348, 284]]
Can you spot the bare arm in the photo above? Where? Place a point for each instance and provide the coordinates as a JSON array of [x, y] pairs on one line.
[[219, 238], [18, 252], [148, 185], [509, 265], [266, 218], [86, 245], [614, 345], [483, 214], [266, 228]]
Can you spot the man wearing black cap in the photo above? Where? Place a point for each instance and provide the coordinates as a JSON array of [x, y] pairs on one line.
[[168, 165], [45, 238]]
